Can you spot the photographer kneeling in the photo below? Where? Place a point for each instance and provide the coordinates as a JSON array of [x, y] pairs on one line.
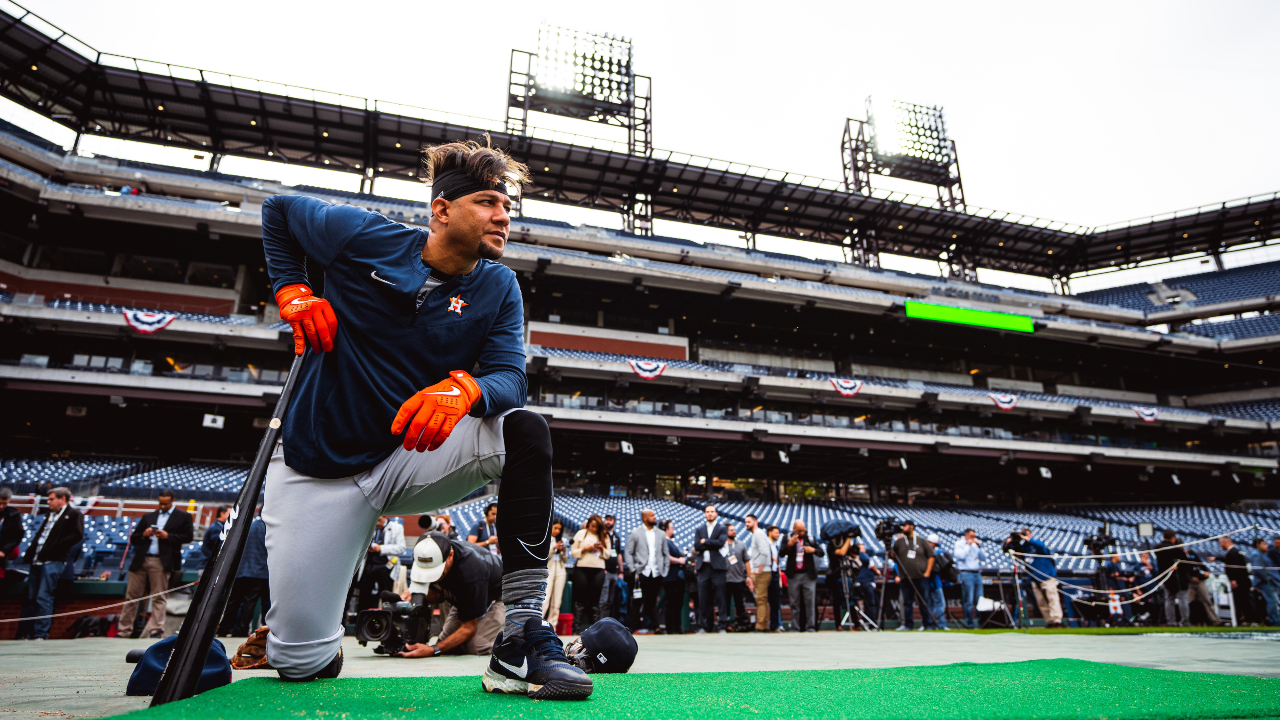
[[470, 578]]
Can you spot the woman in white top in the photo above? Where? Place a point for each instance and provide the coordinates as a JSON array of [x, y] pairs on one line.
[[591, 547], [555, 574]]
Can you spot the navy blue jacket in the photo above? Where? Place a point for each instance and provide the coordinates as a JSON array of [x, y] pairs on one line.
[[387, 347], [1044, 567], [253, 563]]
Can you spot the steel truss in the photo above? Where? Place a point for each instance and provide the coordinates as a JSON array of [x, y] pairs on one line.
[[95, 93]]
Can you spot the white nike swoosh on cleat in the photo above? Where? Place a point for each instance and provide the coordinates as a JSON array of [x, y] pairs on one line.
[[521, 671], [374, 275], [456, 391]]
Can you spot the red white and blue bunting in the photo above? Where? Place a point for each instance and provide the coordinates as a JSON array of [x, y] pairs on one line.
[[647, 369], [847, 388], [1147, 414], [148, 322], [1003, 401]]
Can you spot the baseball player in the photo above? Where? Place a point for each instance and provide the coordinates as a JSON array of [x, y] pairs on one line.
[[407, 317]]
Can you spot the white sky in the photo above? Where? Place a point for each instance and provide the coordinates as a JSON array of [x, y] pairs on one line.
[[1084, 112]]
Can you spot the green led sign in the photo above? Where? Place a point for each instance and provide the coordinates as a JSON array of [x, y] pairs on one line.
[[964, 316]]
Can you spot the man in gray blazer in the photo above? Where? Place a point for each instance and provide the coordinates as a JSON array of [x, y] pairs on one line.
[[646, 556]]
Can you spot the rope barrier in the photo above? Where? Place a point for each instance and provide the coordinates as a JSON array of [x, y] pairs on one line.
[[104, 607], [1123, 553]]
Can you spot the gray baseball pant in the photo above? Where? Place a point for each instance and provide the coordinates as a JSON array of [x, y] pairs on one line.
[[318, 531]]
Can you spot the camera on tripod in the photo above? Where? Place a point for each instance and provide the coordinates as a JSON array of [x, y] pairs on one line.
[[395, 624], [886, 529], [1098, 542]]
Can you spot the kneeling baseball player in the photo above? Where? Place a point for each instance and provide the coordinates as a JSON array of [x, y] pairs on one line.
[[407, 316]]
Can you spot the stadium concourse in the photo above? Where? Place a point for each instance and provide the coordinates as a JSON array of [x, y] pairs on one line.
[[1093, 476]]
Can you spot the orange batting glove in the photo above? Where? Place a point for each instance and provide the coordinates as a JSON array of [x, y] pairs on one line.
[[435, 411], [310, 317]]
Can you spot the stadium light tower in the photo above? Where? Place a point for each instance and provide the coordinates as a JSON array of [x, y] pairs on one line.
[[586, 76], [910, 142]]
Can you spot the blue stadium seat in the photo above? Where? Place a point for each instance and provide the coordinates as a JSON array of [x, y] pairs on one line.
[[1258, 326]]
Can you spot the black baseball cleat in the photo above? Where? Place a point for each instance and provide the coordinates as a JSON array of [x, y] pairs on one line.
[[535, 665], [327, 672]]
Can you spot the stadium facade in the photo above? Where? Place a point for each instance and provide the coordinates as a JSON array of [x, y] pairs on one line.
[[141, 344]]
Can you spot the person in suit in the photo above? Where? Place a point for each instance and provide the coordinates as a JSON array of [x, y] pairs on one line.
[[646, 555], [1238, 575], [1177, 591], [157, 542], [711, 565], [388, 542], [212, 541], [802, 577], [250, 586], [10, 530], [62, 530]]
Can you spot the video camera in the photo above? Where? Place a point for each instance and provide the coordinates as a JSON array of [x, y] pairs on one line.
[[886, 529], [396, 624], [838, 530], [1098, 542]]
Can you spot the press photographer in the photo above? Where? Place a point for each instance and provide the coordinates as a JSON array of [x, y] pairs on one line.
[[844, 563], [914, 557], [1042, 571], [470, 578]]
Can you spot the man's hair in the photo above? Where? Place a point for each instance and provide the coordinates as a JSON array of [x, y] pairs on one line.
[[1169, 534], [221, 509], [484, 163], [62, 492], [610, 517], [1024, 531], [969, 530], [649, 510], [5, 493], [753, 517], [164, 492], [490, 506], [663, 525], [910, 522], [709, 505], [771, 528]]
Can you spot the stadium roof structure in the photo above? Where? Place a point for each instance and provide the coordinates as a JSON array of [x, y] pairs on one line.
[[50, 72]]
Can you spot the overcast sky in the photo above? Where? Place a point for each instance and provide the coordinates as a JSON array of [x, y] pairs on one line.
[[1082, 112]]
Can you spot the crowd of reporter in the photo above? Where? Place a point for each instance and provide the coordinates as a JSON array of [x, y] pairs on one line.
[[724, 581]]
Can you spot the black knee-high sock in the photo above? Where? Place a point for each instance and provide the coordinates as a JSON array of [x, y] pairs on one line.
[[524, 513]]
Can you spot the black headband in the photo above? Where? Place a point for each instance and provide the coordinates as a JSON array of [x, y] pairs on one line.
[[456, 183]]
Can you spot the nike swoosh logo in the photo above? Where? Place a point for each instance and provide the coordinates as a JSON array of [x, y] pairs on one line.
[[455, 391], [301, 301], [529, 548], [374, 275], [520, 671]]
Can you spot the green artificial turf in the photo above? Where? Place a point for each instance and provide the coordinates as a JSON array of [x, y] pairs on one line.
[[1121, 630], [1017, 691]]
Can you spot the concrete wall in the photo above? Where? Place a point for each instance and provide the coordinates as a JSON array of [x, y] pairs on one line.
[[902, 374], [1019, 385], [1118, 395], [750, 358], [1265, 393], [594, 339]]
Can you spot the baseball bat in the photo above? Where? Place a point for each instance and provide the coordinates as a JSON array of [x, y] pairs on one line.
[[182, 673]]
